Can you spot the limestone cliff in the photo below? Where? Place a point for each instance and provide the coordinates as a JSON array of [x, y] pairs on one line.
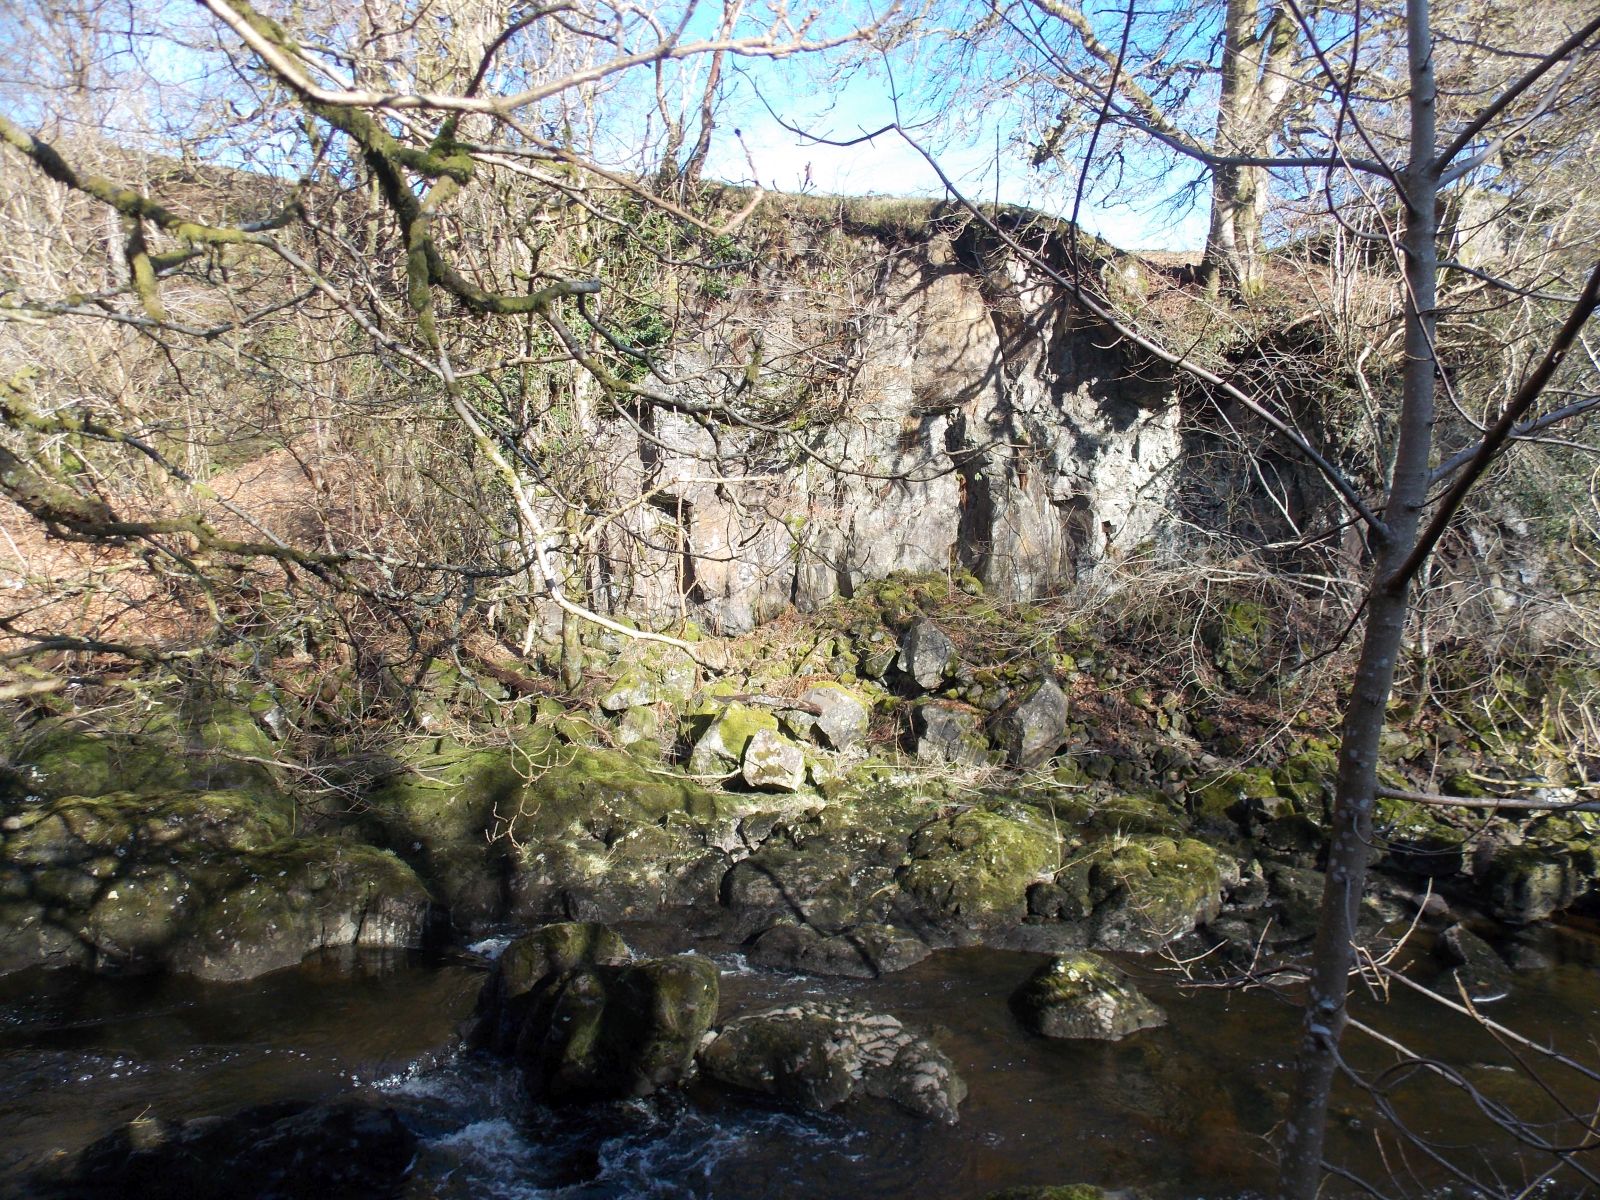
[[978, 422]]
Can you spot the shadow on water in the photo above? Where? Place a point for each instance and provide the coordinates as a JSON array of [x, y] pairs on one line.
[[1183, 1110]]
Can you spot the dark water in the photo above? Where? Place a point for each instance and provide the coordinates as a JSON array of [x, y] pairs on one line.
[[1185, 1110]]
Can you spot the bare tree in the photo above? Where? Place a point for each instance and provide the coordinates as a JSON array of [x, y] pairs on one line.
[[471, 242]]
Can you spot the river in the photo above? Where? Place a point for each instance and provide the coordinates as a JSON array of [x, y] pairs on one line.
[[1184, 1110]]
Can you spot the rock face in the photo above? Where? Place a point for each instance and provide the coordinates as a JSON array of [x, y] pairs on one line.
[[1027, 450], [819, 1055], [1083, 996], [289, 1149]]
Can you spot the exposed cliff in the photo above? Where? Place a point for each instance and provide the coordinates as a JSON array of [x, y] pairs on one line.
[[974, 420]]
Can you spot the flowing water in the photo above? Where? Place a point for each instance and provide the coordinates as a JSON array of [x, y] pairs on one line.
[[1184, 1110]]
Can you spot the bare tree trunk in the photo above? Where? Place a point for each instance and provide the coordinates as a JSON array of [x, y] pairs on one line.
[[1388, 604], [1255, 80], [1222, 262]]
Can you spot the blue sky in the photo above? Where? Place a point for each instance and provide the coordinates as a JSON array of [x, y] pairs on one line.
[[888, 165]]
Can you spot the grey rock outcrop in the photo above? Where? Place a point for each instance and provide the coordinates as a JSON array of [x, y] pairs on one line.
[[1032, 730], [950, 733], [999, 430], [926, 653], [772, 763]]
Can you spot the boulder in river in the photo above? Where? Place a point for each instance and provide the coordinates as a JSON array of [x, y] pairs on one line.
[[1082, 995], [861, 951], [818, 1055], [528, 966], [291, 1149], [604, 1032], [1476, 967]]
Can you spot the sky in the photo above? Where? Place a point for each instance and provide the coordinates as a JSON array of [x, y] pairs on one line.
[[985, 170]]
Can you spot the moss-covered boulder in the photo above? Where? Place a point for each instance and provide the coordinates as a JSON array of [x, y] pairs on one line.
[[200, 746], [926, 654], [528, 967], [271, 908], [830, 867], [1418, 841], [611, 1032], [861, 951], [652, 673], [602, 836], [1133, 893], [445, 809], [719, 750], [1531, 881], [1238, 797], [819, 1055], [1083, 996], [209, 883], [822, 884], [973, 869]]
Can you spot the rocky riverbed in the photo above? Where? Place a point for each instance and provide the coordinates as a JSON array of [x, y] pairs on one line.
[[851, 803]]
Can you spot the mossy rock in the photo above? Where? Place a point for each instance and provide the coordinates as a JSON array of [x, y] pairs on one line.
[[1417, 841], [613, 1032], [1530, 882], [1083, 996], [600, 835], [973, 869], [1134, 894], [529, 966], [1308, 778], [1240, 638], [445, 811], [203, 747], [1069, 1191], [204, 882], [720, 749], [654, 674], [275, 906], [133, 826], [1235, 796], [819, 1054]]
